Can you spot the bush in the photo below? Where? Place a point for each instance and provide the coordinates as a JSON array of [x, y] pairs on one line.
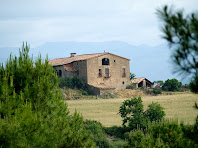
[[78, 83], [191, 131], [97, 133], [157, 91], [84, 92], [160, 134], [74, 82], [116, 131], [154, 112], [131, 86], [65, 82]]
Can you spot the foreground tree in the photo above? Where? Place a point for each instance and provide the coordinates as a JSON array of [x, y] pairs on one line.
[[32, 113], [132, 113], [181, 32], [134, 116]]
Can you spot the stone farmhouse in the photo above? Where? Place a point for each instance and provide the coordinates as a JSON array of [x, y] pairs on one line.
[[102, 72]]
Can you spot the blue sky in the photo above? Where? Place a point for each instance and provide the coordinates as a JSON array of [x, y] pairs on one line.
[[40, 21]]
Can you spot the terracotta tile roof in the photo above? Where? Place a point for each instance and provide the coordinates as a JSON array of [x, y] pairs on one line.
[[67, 60], [138, 80]]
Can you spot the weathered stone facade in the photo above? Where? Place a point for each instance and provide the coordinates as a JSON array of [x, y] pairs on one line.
[[105, 71]]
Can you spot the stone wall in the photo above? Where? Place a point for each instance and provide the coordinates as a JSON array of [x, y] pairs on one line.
[[81, 69], [64, 74], [99, 91], [115, 79]]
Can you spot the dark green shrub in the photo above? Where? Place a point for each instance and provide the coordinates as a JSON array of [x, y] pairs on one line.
[[78, 83], [157, 91], [97, 133], [74, 82], [155, 112], [84, 92], [172, 85], [140, 140], [160, 134], [191, 131], [116, 131], [131, 86], [65, 82]]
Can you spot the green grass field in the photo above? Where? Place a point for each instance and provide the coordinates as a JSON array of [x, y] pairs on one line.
[[179, 107]]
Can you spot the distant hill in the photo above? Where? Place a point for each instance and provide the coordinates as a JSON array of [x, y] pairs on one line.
[[150, 62]]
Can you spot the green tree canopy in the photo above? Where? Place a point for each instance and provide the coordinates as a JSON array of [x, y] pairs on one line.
[[172, 85], [134, 116], [155, 112]]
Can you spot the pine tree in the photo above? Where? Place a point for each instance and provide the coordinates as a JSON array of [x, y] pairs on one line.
[[31, 109], [181, 32]]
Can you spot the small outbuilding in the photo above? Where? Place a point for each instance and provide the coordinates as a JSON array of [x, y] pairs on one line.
[[142, 82]]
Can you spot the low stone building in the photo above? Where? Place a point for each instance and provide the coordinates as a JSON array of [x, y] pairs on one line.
[[102, 72], [142, 82]]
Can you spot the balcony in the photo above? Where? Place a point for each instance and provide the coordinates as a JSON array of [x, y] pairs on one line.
[[107, 76], [123, 74]]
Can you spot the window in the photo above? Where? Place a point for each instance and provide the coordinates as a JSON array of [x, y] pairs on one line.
[[77, 72], [114, 61], [107, 72], [105, 61], [123, 83], [123, 72], [100, 73], [60, 73]]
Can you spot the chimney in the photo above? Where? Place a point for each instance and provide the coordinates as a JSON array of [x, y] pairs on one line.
[[72, 55]]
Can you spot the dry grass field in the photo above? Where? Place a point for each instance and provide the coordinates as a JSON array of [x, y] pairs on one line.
[[178, 106]]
